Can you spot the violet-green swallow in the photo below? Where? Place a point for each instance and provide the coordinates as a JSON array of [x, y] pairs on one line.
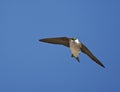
[[75, 46]]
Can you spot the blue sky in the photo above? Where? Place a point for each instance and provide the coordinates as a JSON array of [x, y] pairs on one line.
[[27, 65]]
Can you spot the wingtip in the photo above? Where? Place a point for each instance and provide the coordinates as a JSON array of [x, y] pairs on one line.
[[102, 65], [40, 40]]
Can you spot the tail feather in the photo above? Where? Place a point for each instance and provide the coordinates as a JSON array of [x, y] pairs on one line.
[[77, 58]]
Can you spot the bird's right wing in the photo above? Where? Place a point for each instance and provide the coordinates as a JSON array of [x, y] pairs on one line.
[[58, 40]]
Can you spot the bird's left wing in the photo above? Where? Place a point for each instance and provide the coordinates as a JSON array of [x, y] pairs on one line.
[[58, 40], [89, 53]]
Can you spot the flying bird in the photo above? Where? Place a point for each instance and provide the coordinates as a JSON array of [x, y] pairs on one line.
[[75, 46]]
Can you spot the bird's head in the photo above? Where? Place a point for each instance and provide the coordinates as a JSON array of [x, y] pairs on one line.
[[74, 39]]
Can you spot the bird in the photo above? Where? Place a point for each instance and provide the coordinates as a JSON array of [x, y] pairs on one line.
[[75, 46]]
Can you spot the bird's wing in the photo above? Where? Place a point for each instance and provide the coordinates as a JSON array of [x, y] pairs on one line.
[[58, 40], [89, 53]]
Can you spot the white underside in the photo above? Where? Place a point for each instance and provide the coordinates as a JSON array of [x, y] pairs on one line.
[[75, 47]]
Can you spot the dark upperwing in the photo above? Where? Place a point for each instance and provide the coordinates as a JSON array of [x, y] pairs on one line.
[[89, 53], [58, 40]]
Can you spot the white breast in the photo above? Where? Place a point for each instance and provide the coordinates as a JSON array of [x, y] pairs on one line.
[[75, 47]]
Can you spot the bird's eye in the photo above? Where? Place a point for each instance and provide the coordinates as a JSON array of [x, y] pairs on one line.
[[73, 38]]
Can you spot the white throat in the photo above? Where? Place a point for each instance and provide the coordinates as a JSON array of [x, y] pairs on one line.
[[77, 41]]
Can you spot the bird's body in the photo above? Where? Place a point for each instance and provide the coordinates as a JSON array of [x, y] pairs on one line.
[[75, 46]]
